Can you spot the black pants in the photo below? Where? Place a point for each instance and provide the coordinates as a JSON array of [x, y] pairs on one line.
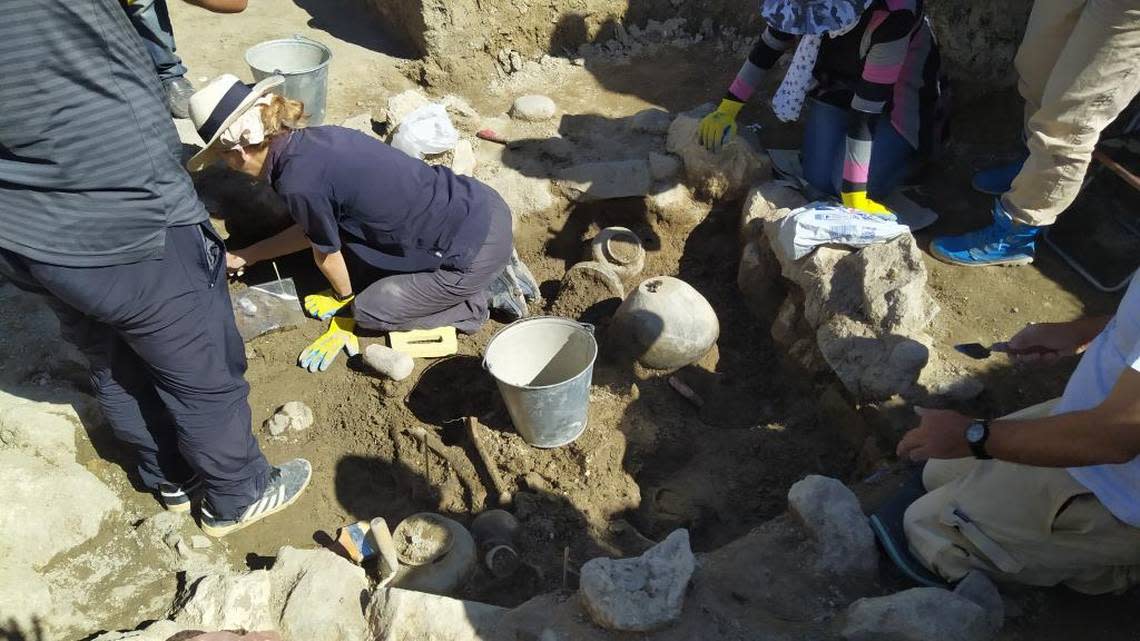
[[167, 362]]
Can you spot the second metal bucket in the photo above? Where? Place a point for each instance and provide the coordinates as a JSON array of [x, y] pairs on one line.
[[543, 367], [305, 65]]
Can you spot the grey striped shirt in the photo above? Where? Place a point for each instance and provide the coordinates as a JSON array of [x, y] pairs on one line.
[[90, 169]]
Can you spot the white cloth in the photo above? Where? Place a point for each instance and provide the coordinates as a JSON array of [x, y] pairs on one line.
[[248, 129], [1115, 350], [789, 98]]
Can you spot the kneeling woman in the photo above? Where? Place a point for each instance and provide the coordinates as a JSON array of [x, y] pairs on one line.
[[404, 245]]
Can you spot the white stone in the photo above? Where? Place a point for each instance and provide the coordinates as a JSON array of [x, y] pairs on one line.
[[726, 174], [844, 542], [277, 424], [918, 614], [458, 106], [463, 158], [524, 194], [651, 121], [389, 362], [199, 542], [323, 595], [161, 630], [663, 166], [395, 614], [533, 108], [665, 323], [402, 104], [643, 593], [227, 602], [590, 181], [79, 502], [299, 415]]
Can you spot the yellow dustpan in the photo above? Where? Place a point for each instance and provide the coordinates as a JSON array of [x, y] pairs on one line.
[[425, 343]]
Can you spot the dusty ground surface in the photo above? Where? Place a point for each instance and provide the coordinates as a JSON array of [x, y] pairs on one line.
[[649, 461]]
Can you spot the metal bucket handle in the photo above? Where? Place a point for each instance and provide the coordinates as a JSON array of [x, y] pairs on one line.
[[586, 326], [297, 36]]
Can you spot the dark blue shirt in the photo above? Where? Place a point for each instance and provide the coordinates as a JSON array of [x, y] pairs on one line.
[[384, 209]]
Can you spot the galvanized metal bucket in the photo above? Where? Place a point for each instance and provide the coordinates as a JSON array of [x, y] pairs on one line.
[[543, 367], [305, 65]]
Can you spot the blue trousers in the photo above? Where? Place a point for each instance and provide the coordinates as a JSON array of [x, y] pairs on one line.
[[151, 20], [167, 363], [825, 144]]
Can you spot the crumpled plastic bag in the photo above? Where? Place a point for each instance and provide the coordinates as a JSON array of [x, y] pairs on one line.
[[825, 223], [427, 130]]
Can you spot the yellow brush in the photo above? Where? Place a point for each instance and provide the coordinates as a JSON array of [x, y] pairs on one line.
[[425, 343]]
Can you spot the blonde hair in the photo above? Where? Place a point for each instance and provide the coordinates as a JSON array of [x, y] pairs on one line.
[[282, 115]]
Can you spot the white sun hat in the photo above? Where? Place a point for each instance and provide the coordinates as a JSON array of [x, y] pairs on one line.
[[216, 106]]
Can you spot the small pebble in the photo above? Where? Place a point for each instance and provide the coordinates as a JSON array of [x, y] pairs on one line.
[[199, 542]]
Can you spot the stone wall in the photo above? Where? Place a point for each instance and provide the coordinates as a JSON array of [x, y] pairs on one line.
[[466, 36]]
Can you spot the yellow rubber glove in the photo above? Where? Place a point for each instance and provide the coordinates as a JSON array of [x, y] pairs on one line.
[[318, 356], [719, 127], [858, 200], [325, 305]]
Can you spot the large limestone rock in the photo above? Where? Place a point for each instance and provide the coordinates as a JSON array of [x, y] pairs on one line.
[[37, 429], [405, 615], [227, 602], [640, 594], [674, 204], [845, 545], [323, 595], [525, 195], [767, 202], [725, 174], [604, 180], [978, 588], [919, 614], [25, 599], [48, 509]]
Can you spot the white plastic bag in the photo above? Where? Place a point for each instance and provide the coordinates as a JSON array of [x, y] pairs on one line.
[[427, 130], [823, 223]]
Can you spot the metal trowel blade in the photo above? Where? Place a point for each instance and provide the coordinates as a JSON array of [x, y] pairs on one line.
[[974, 350]]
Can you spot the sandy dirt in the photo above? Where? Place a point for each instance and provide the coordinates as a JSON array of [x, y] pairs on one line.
[[649, 461]]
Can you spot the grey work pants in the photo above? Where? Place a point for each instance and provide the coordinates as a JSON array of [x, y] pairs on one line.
[[443, 297]]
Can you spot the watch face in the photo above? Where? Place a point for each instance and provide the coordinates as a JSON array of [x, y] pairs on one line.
[[975, 432]]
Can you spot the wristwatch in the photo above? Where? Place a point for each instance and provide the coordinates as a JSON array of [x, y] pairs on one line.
[[976, 434]]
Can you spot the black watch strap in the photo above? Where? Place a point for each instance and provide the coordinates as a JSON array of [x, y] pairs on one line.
[[977, 434]]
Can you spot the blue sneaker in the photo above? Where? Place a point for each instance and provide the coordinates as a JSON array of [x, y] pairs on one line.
[[1005, 242], [995, 181]]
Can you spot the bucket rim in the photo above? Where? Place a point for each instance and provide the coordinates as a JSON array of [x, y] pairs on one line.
[[562, 320], [328, 55]]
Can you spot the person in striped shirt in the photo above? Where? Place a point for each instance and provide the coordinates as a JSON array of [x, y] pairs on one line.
[[870, 71]]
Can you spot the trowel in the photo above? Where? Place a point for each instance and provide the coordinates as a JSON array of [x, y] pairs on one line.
[[980, 352]]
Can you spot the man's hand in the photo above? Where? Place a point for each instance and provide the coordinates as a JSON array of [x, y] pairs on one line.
[[220, 6], [326, 304], [941, 435], [1056, 339], [235, 264]]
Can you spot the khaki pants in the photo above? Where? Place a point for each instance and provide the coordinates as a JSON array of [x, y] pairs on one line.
[[1079, 67], [1021, 524]]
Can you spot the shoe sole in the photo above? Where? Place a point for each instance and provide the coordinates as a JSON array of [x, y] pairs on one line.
[[178, 508], [1007, 263], [219, 532]]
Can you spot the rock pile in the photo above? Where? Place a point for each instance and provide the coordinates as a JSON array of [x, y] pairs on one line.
[[866, 313]]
